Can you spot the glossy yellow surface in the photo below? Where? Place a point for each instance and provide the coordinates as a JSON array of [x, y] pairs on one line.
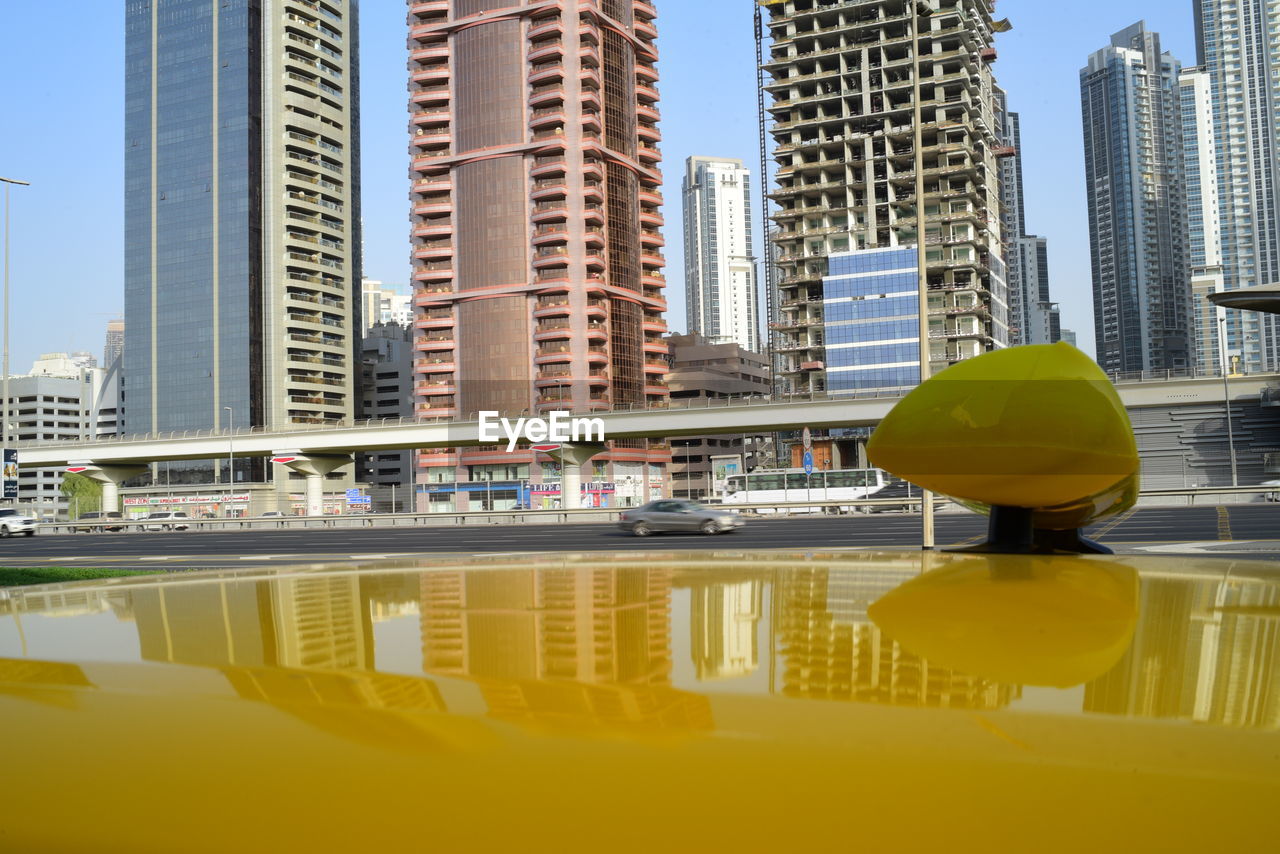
[[649, 701], [1037, 426]]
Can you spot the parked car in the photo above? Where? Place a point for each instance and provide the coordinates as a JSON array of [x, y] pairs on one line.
[[111, 521], [677, 515], [272, 514], [166, 521], [12, 522]]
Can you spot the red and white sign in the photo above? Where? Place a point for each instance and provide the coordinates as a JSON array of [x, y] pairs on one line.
[[544, 449], [283, 459], [77, 469]]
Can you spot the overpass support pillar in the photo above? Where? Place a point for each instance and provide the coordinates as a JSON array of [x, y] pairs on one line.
[[110, 476], [572, 458], [314, 467]]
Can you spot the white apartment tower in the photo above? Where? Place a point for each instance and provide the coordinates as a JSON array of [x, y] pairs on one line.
[[719, 268], [1204, 224], [1238, 48]]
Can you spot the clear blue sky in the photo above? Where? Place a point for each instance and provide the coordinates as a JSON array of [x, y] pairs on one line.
[[61, 127]]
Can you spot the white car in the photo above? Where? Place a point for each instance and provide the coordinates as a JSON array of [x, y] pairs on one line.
[[12, 523], [166, 521], [1271, 496]]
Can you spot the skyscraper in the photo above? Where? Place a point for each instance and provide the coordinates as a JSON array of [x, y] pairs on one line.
[[843, 106], [537, 255], [242, 222], [1204, 225], [1238, 48], [115, 343], [1032, 317], [719, 268], [1137, 215]]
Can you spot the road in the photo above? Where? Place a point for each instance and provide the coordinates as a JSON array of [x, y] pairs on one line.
[[1240, 531]]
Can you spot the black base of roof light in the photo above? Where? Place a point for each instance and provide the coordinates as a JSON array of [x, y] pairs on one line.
[[1010, 531]]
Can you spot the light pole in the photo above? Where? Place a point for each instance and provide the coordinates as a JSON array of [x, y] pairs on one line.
[[1226, 396], [231, 448], [922, 279], [4, 432]]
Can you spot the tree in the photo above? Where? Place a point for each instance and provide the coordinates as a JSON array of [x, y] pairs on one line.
[[83, 494]]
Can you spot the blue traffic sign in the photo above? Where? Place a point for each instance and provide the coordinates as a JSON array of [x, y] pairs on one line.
[[353, 493], [808, 462]]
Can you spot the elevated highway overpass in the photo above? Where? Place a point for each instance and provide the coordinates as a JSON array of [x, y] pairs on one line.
[[315, 451]]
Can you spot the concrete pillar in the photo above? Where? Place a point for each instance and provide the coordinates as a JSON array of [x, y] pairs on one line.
[[315, 467], [572, 458], [110, 476]]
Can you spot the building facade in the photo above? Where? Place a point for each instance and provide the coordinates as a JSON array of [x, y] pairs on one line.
[[382, 305], [843, 100], [536, 245], [386, 364], [721, 298], [1238, 49], [702, 369], [61, 400], [114, 346], [1204, 223], [1137, 213], [242, 222]]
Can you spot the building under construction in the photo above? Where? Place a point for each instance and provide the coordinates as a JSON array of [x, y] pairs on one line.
[[853, 155]]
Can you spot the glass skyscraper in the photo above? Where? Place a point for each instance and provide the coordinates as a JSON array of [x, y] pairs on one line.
[[242, 221], [1137, 217], [871, 326]]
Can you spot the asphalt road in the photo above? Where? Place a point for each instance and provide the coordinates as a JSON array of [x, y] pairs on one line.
[[1200, 527]]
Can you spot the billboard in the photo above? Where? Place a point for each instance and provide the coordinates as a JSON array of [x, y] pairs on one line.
[[10, 474], [722, 467]]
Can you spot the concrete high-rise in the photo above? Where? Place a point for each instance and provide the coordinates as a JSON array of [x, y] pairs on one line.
[[844, 131], [719, 267], [1137, 205], [115, 342], [1238, 48], [1204, 224], [1032, 317], [242, 225], [535, 209]]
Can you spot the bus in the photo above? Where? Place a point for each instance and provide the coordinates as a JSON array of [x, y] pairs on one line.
[[776, 486]]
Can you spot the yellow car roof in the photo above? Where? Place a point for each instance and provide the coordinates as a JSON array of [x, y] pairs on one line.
[[648, 701]]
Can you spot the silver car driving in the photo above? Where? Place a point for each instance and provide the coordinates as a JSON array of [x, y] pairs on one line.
[[674, 514]]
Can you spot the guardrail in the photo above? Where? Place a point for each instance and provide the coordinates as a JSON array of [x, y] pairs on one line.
[[598, 515]]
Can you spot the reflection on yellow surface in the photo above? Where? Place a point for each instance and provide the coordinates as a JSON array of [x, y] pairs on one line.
[[724, 625], [563, 648], [833, 651], [1205, 650], [248, 715], [1029, 620]]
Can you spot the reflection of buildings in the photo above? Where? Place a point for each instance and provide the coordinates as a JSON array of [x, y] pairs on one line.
[[1202, 652], [318, 621], [560, 645], [723, 631], [833, 651]]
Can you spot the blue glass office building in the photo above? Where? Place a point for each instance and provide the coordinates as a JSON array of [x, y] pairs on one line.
[[241, 214], [871, 328]]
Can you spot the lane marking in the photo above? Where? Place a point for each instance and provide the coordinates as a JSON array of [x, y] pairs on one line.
[[1224, 523]]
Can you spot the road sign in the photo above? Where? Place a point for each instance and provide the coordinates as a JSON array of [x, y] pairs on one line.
[[807, 438], [808, 462], [360, 499], [353, 494]]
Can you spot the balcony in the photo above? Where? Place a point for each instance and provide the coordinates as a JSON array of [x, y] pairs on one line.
[[433, 227], [549, 188], [546, 93], [546, 72]]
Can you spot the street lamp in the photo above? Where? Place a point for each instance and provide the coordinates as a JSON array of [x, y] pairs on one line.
[[231, 447], [919, 11], [1226, 395], [4, 432]]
